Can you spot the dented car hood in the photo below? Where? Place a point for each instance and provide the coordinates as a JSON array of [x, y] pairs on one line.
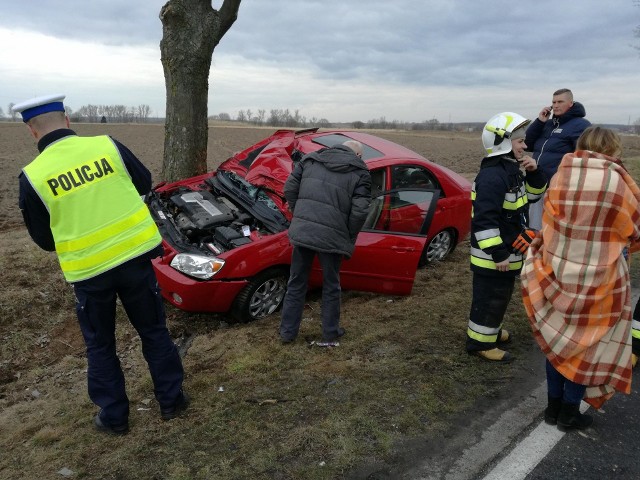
[[272, 164]]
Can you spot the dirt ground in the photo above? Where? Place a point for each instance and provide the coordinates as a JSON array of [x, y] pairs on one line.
[[45, 413]]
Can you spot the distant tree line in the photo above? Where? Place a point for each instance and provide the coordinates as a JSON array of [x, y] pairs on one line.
[[276, 118], [98, 113], [285, 118], [110, 113]]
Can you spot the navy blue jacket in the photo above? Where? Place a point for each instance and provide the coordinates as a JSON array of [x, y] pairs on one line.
[[551, 140]]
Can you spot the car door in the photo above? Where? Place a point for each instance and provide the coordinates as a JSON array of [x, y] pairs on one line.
[[390, 244]]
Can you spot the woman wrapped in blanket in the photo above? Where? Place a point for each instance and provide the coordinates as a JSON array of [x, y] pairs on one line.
[[575, 280]]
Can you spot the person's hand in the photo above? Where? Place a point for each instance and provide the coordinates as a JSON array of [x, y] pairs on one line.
[[528, 163], [503, 266], [543, 116], [523, 241]]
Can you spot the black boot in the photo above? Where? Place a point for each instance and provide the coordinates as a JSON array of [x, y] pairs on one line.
[[552, 411], [570, 417]]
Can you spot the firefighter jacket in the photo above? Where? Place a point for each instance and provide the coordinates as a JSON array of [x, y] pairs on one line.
[[97, 217], [500, 196]]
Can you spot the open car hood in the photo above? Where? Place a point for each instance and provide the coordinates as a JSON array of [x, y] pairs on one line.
[[267, 164]]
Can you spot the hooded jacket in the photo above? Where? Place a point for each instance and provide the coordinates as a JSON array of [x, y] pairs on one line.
[[329, 193], [552, 139]]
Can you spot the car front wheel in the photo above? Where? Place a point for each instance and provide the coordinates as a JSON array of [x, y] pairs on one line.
[[261, 297], [438, 248]]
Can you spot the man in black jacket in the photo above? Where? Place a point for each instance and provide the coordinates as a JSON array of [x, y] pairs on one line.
[[499, 230], [329, 193]]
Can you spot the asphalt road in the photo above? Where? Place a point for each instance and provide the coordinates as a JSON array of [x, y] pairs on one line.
[[510, 440]]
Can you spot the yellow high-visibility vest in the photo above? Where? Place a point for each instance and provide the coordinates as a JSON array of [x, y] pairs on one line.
[[98, 219]]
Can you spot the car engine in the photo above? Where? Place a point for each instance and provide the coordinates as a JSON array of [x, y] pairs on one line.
[[202, 220]]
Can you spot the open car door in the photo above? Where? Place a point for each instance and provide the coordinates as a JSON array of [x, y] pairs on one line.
[[390, 244]]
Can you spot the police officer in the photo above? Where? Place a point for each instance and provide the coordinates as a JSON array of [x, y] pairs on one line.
[[499, 230], [81, 197]]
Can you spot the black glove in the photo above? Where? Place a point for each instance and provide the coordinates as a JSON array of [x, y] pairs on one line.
[[522, 242]]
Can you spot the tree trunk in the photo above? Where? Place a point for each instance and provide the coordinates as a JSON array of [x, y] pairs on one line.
[[190, 31]]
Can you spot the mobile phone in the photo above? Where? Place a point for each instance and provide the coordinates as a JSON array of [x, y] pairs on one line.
[[550, 112]]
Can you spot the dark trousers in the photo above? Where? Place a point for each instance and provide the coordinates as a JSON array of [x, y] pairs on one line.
[[491, 297], [560, 387], [136, 285], [293, 305]]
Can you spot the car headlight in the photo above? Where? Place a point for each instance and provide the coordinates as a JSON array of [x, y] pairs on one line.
[[197, 266]]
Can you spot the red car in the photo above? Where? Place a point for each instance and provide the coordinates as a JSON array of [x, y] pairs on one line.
[[225, 239]]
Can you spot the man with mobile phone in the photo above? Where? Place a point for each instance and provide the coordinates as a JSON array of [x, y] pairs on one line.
[[552, 135]]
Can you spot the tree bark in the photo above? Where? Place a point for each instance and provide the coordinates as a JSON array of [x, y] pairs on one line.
[[191, 29]]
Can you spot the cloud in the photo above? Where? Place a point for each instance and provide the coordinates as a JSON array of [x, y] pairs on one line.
[[360, 59]]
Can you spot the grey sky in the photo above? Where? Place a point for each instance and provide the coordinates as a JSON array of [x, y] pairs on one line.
[[344, 60]]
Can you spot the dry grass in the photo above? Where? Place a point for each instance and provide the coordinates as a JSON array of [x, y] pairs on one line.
[[399, 382]]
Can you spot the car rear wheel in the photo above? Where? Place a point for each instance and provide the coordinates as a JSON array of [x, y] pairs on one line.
[[441, 245], [261, 297]]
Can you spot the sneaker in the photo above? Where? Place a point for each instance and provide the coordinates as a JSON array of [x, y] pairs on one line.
[[105, 427], [494, 355], [286, 341], [325, 343], [341, 333], [178, 408]]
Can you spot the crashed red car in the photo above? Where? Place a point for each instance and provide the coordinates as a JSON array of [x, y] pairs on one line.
[[225, 232]]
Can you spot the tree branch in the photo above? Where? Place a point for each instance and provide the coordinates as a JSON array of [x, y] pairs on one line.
[[228, 14]]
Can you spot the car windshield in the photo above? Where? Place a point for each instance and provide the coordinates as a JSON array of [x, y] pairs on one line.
[[254, 198]]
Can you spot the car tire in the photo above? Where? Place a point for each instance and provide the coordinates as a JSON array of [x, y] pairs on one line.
[[438, 248], [261, 297]]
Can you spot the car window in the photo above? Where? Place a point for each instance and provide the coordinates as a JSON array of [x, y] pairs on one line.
[[377, 181], [412, 176], [333, 139], [402, 211]]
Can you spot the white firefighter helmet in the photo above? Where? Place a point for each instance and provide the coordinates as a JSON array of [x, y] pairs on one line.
[[496, 134]]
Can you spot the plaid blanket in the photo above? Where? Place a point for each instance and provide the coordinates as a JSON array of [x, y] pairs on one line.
[[575, 280]]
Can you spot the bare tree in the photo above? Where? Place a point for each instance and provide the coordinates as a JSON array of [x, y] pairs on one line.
[[11, 112], [191, 29], [143, 112]]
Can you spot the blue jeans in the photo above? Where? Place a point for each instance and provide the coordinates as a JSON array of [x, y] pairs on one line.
[[293, 305], [135, 283], [560, 387]]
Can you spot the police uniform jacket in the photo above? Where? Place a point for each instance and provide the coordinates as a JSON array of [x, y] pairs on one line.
[[500, 196], [34, 212]]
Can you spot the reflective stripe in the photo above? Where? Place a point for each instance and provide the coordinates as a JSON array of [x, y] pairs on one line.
[[516, 204], [488, 238], [635, 332], [484, 330], [489, 233], [114, 251], [484, 260], [107, 232], [490, 242], [536, 191], [482, 338], [491, 265]]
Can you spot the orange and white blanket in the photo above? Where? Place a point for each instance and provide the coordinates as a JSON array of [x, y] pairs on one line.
[[575, 280]]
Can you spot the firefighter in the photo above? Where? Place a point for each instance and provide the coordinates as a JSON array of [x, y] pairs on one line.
[[507, 182], [81, 196]]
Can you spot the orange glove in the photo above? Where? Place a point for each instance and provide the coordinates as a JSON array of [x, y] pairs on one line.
[[521, 244]]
